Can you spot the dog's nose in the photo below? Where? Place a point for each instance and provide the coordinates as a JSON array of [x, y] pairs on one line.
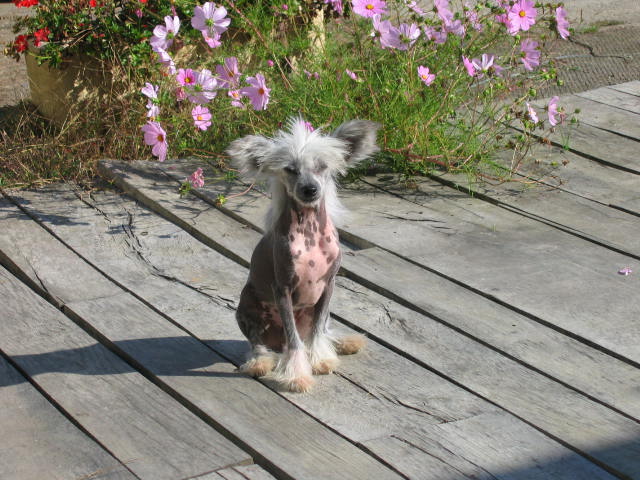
[[309, 191]]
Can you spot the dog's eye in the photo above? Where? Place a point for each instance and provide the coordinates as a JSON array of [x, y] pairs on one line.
[[291, 170]]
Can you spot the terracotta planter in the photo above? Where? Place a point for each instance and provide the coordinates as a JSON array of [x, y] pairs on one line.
[[55, 90]]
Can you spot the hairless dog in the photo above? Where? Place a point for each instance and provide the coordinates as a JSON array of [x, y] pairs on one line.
[[284, 306]]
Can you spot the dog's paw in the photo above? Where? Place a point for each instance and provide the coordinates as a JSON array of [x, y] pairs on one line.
[[259, 366], [350, 344], [300, 384], [325, 366]]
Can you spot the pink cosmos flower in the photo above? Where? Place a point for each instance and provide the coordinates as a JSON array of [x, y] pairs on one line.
[[180, 94], [270, 63], [425, 75], [562, 24], [486, 65], [369, 8], [351, 75], [336, 5], [228, 74], [385, 31], [504, 18], [437, 36], [529, 54], [443, 11], [213, 42], [204, 89], [186, 77], [408, 34], [258, 92], [165, 59], [468, 64], [201, 117], [413, 6], [196, 179], [472, 16], [156, 137], [210, 19], [554, 113], [522, 15], [235, 98], [138, 13], [533, 116], [163, 36], [456, 27], [150, 90]]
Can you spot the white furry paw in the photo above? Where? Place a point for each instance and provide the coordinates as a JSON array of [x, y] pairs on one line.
[[294, 372], [325, 366], [258, 366], [350, 344], [322, 355]]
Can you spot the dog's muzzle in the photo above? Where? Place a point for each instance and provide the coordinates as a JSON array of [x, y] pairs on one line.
[[308, 193]]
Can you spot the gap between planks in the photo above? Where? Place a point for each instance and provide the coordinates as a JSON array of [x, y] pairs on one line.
[[476, 392]]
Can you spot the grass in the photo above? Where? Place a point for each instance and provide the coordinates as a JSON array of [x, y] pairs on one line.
[[441, 126]]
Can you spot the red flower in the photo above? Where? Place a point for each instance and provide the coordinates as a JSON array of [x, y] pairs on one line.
[[25, 3], [93, 3], [20, 43], [41, 35], [143, 1]]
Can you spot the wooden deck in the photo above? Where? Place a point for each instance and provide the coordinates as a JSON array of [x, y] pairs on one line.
[[503, 342]]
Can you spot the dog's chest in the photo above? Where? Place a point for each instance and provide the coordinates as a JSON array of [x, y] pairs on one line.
[[314, 250]]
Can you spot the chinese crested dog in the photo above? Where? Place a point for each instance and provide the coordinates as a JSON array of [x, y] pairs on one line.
[[284, 306]]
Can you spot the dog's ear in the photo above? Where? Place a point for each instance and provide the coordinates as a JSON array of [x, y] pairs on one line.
[[248, 153], [360, 139]]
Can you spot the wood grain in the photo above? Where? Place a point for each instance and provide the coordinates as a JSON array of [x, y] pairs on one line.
[[140, 424]]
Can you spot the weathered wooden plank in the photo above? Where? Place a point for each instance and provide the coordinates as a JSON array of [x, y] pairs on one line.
[[533, 397], [381, 209], [602, 116], [39, 442], [248, 472], [613, 98], [368, 404], [362, 406], [151, 182], [556, 423], [451, 221], [288, 440], [572, 173], [140, 424], [423, 458], [548, 201], [596, 144], [559, 278], [632, 88]]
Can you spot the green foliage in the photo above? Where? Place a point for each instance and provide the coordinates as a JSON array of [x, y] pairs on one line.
[[454, 123]]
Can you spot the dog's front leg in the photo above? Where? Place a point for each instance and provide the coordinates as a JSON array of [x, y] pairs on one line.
[[322, 353], [294, 370]]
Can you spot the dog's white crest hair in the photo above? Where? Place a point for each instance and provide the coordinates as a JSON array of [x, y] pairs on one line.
[[299, 145]]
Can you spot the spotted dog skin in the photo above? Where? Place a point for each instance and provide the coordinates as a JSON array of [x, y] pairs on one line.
[[306, 244], [284, 306]]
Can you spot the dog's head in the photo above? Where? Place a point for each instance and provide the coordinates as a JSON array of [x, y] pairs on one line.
[[305, 161]]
